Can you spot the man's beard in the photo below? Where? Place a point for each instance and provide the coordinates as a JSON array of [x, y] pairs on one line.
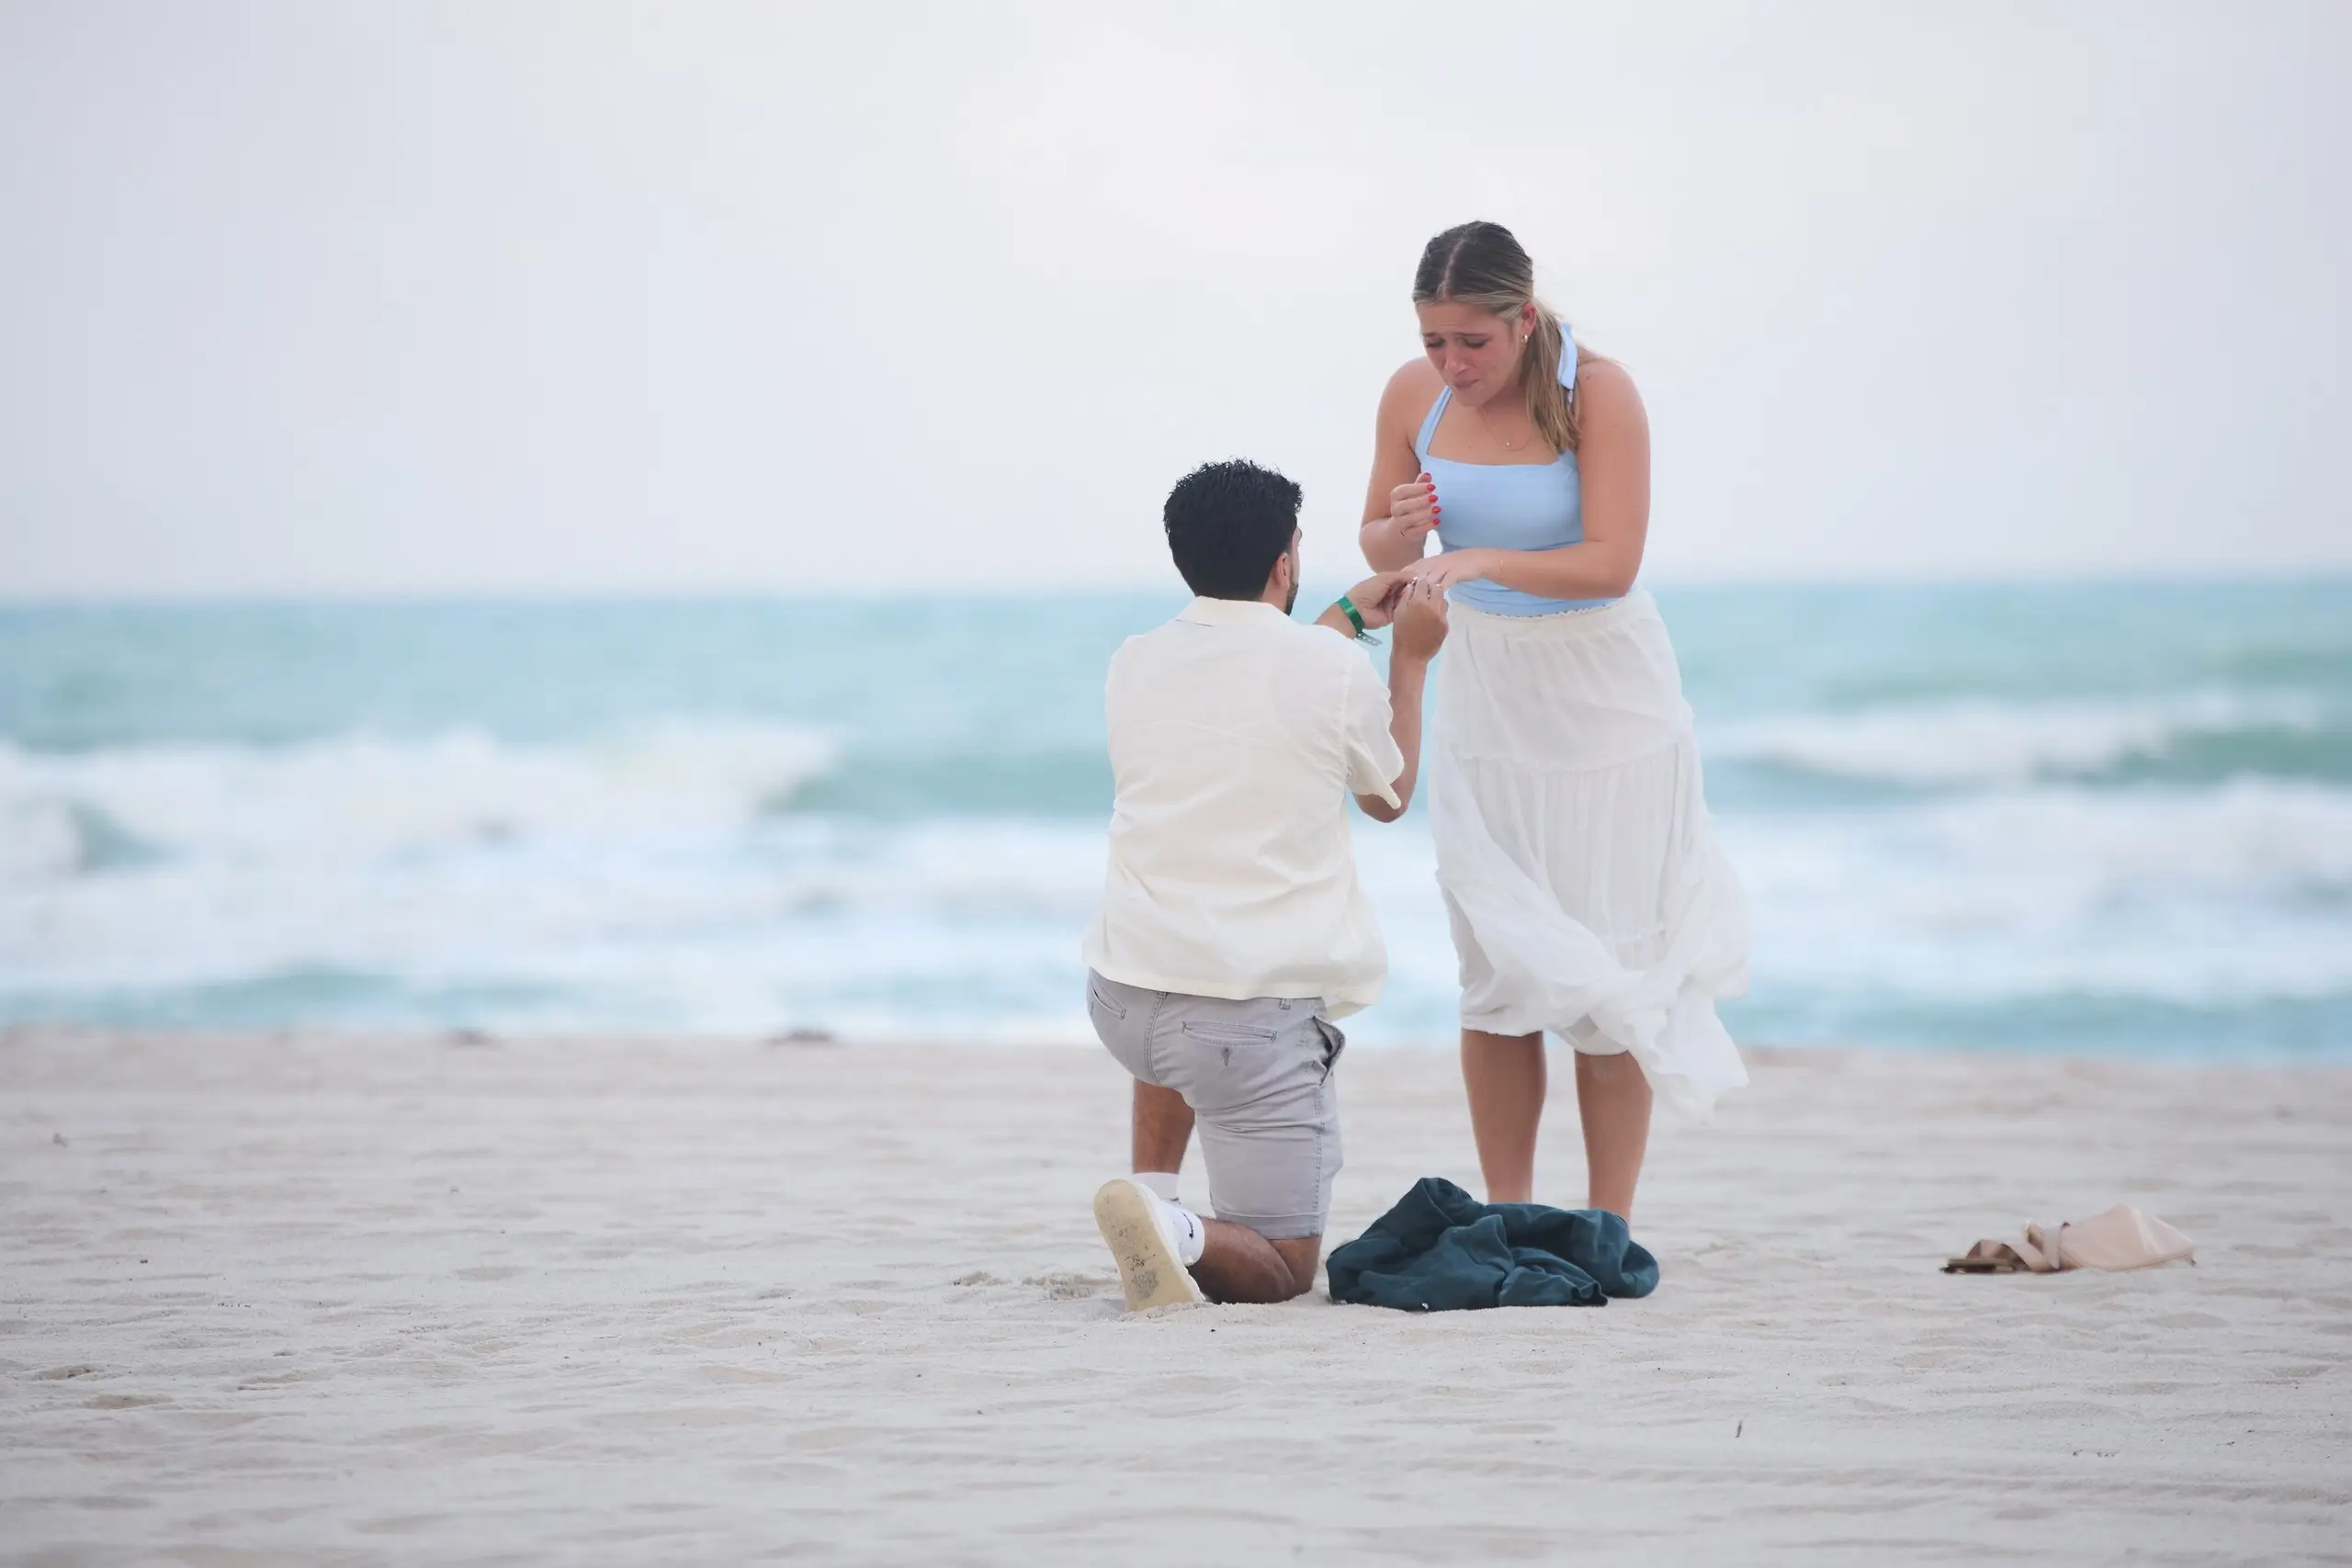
[[1291, 603]]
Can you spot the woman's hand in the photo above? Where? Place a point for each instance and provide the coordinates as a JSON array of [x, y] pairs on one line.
[[1413, 510], [1442, 572]]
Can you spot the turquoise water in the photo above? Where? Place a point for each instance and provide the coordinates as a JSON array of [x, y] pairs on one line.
[[2096, 817]]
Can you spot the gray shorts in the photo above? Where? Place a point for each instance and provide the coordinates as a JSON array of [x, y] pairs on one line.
[[1258, 1076]]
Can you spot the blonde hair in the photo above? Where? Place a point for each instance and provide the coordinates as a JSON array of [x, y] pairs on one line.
[[1482, 265]]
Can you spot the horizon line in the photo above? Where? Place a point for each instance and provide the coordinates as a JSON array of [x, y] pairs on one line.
[[2335, 575]]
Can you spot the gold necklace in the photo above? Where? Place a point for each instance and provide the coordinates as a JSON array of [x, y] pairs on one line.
[[1508, 445]]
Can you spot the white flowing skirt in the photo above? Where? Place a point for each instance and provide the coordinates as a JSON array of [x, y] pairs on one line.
[[1579, 866]]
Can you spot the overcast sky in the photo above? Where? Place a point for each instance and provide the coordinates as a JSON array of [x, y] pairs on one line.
[[322, 297]]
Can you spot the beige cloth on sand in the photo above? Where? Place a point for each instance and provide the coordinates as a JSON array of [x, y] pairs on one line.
[[2123, 1238]]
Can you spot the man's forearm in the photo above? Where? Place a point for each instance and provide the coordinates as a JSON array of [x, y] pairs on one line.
[[1405, 676]]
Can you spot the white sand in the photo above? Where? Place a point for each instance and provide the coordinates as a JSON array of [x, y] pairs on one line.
[[320, 1301]]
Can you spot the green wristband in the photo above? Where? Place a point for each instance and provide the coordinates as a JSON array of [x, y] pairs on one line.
[[1348, 606]]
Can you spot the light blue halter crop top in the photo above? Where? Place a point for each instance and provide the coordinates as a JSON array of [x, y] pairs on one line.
[[1507, 506]]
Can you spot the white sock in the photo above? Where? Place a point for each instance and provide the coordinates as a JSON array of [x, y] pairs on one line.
[[1184, 1231], [1163, 1182]]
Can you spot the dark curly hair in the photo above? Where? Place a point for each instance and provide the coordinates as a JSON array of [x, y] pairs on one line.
[[1227, 524]]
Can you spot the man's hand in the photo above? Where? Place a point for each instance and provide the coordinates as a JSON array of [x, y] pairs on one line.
[[1375, 599], [1420, 616]]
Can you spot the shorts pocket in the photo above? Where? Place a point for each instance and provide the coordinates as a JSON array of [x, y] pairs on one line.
[[1334, 1042], [1099, 997], [1214, 1033]]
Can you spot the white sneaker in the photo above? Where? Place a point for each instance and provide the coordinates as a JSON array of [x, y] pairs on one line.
[[1142, 1239]]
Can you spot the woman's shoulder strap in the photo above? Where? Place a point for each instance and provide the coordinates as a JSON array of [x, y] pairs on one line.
[[1429, 425]]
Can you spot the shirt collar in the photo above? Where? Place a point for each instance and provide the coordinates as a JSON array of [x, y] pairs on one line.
[[1228, 612]]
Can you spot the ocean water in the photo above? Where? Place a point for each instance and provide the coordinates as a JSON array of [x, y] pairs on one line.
[[2113, 818]]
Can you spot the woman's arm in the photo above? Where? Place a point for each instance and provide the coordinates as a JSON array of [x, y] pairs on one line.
[[1396, 528], [1613, 460]]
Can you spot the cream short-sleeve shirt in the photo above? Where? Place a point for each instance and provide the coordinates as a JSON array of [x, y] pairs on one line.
[[1236, 736]]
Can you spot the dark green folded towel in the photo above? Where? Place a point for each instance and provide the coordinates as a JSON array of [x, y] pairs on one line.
[[1442, 1250]]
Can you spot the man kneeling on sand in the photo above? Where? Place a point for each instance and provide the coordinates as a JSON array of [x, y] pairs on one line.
[[1232, 931]]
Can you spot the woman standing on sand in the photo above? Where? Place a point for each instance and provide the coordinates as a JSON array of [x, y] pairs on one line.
[[1580, 867]]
